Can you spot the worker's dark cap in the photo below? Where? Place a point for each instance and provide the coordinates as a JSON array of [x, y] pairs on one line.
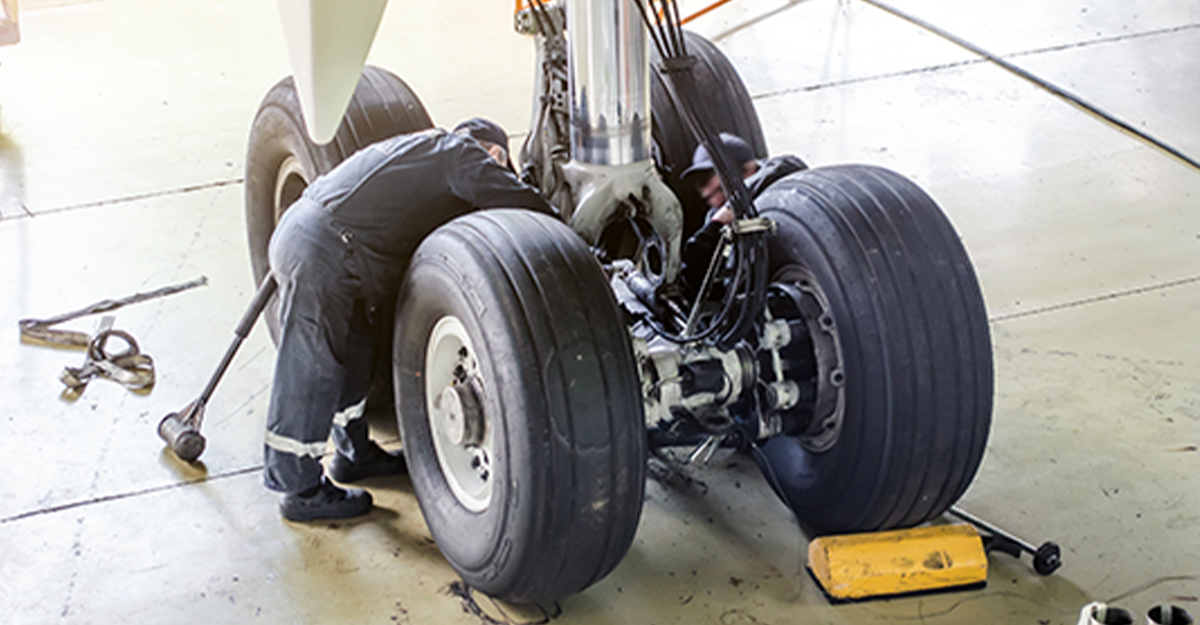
[[482, 129], [735, 147]]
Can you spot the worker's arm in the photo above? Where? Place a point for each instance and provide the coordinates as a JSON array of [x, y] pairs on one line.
[[482, 182]]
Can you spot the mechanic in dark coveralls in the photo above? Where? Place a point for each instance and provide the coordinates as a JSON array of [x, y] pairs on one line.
[[338, 255], [756, 175]]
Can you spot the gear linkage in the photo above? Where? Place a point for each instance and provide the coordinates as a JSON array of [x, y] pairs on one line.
[[717, 369], [546, 147]]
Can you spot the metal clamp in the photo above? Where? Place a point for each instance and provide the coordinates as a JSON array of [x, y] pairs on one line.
[[753, 225]]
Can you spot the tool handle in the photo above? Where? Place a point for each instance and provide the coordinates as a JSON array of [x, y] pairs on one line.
[[1046, 558], [1001, 544], [991, 529], [265, 291]]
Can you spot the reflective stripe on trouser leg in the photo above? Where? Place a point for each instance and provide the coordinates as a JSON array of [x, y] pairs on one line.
[[318, 286], [351, 413], [350, 430]]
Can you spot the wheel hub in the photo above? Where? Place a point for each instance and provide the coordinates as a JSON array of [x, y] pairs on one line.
[[461, 416], [454, 395], [810, 304]]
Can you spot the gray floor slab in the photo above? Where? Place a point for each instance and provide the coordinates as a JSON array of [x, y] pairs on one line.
[[1010, 27], [1084, 238], [1137, 81], [789, 47], [113, 99]]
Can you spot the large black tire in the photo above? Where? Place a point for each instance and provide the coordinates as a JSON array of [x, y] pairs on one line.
[[915, 353], [546, 500], [729, 108], [281, 159]]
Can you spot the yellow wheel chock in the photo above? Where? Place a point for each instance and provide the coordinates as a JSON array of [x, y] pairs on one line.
[[923, 559]]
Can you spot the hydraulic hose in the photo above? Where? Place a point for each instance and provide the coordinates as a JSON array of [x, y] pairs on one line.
[[745, 298]]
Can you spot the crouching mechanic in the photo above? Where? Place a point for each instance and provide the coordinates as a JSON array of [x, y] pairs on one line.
[[338, 255], [756, 175]]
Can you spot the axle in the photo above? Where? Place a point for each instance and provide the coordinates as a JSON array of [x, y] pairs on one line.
[[759, 388]]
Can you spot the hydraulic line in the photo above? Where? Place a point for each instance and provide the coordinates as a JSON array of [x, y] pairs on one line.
[[744, 298]]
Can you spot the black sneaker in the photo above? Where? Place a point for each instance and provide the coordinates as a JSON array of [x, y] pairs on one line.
[[372, 462], [325, 502]]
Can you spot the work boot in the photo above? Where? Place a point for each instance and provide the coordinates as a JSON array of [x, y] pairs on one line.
[[370, 462], [325, 501]]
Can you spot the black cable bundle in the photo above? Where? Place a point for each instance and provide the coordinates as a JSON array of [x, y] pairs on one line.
[[745, 296]]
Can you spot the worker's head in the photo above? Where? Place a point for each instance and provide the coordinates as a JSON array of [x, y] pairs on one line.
[[703, 175], [488, 134]]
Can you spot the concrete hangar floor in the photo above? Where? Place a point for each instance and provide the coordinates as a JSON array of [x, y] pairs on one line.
[[122, 139]]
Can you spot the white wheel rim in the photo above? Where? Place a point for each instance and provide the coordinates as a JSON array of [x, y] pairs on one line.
[[449, 360]]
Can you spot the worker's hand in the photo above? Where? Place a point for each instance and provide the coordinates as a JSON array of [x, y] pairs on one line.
[[725, 215]]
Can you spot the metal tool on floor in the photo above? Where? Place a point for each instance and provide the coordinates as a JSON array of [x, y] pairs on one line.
[[181, 430], [42, 332], [1168, 614], [1046, 558], [128, 367], [1102, 614]]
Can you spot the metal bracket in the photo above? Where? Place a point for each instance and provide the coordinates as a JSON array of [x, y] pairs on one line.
[[602, 191]]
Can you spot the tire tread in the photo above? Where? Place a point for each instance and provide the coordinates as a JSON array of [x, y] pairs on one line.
[[905, 295], [591, 448]]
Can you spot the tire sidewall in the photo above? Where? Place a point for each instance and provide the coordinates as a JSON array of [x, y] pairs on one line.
[[382, 106], [843, 468], [277, 134], [729, 105], [473, 542], [914, 347]]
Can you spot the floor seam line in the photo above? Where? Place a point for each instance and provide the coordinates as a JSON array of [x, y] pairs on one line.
[[29, 214], [863, 79], [1103, 40], [127, 495], [1096, 299]]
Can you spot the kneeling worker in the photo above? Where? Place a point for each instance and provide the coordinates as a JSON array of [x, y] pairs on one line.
[[756, 175], [338, 255]]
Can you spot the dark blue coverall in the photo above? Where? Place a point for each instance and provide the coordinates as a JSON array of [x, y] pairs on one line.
[[698, 251], [338, 255]]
